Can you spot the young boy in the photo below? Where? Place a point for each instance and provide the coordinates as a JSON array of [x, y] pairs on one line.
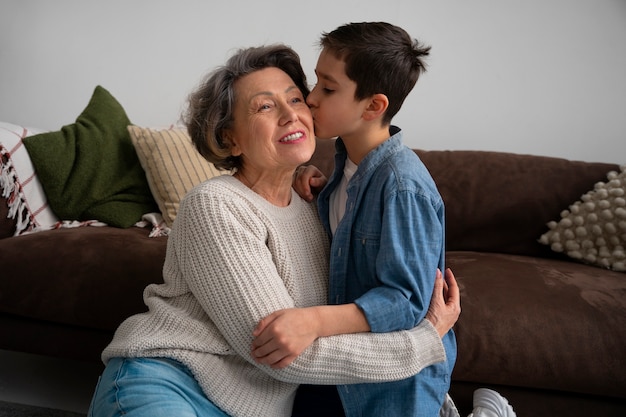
[[381, 204], [386, 218]]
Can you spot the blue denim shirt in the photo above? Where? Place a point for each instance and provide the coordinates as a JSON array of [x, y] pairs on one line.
[[384, 255]]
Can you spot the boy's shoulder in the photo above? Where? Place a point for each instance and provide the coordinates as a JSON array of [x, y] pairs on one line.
[[405, 162], [402, 168], [394, 152]]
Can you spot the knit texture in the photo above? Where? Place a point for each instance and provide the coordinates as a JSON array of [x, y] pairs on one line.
[[89, 169], [593, 229], [232, 259]]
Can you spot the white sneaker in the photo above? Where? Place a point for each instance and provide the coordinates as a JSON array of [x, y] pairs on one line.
[[488, 403], [448, 409]]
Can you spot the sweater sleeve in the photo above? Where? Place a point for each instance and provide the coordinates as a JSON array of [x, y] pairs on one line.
[[365, 357], [223, 254]]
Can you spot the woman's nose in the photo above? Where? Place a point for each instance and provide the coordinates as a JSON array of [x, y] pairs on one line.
[[289, 114]]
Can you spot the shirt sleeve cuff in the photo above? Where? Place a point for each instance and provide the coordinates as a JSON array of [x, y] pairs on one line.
[[428, 345]]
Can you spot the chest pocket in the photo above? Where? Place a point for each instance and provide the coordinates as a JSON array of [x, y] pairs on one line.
[[365, 249]]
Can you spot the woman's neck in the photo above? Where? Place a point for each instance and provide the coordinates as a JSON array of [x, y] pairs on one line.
[[274, 188]]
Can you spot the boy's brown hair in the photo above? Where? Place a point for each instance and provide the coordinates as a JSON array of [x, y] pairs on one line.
[[380, 58]]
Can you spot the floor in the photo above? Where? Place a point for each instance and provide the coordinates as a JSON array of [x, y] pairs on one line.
[[47, 382]]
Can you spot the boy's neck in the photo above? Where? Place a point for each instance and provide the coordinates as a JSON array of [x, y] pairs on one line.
[[358, 145]]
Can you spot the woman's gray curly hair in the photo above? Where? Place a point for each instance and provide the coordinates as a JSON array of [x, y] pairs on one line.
[[210, 107]]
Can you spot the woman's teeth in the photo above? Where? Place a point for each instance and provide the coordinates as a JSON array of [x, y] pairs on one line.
[[292, 137]]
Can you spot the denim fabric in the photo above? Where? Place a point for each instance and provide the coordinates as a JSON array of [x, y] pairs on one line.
[[384, 256], [149, 387]]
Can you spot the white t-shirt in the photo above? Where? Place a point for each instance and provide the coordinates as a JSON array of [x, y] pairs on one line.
[[339, 196]]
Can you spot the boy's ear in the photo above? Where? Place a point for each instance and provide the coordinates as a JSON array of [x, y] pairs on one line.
[[377, 107]]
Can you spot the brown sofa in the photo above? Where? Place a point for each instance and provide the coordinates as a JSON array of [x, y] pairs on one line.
[[546, 331]]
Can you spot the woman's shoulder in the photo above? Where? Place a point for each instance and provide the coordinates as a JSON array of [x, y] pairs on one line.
[[220, 186], [214, 191]]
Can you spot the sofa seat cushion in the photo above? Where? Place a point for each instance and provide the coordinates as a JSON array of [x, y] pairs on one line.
[[540, 323], [90, 277]]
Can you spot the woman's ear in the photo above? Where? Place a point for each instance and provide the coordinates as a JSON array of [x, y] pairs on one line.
[[228, 140], [377, 107]]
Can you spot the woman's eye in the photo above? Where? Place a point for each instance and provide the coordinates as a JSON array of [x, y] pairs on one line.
[[328, 90]]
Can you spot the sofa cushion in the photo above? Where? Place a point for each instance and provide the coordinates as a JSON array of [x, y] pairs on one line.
[[90, 170], [324, 156], [593, 229], [540, 323], [501, 202], [172, 165], [90, 277]]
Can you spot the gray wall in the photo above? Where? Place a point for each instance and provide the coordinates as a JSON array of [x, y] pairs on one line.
[[539, 76]]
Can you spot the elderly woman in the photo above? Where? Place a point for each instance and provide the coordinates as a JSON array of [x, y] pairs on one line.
[[242, 247]]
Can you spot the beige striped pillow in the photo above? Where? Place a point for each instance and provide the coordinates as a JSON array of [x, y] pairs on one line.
[[172, 164]]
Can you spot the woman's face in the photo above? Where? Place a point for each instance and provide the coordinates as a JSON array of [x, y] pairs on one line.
[[273, 127]]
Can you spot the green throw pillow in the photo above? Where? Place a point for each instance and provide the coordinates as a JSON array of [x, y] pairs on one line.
[[89, 170]]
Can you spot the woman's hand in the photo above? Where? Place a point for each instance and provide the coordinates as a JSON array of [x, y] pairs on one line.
[[308, 181], [445, 304], [283, 335]]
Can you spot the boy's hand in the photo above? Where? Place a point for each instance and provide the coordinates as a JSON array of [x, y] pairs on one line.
[[308, 181], [283, 335], [445, 304]]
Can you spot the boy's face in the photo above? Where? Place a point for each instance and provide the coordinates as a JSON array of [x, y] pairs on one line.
[[335, 110]]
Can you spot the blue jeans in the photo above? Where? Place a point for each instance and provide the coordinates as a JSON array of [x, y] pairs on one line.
[[150, 387]]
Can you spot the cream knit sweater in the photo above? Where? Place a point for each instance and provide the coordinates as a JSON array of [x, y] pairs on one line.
[[233, 258]]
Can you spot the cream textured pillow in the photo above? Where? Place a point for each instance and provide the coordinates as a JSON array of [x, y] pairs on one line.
[[593, 230], [172, 164]]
